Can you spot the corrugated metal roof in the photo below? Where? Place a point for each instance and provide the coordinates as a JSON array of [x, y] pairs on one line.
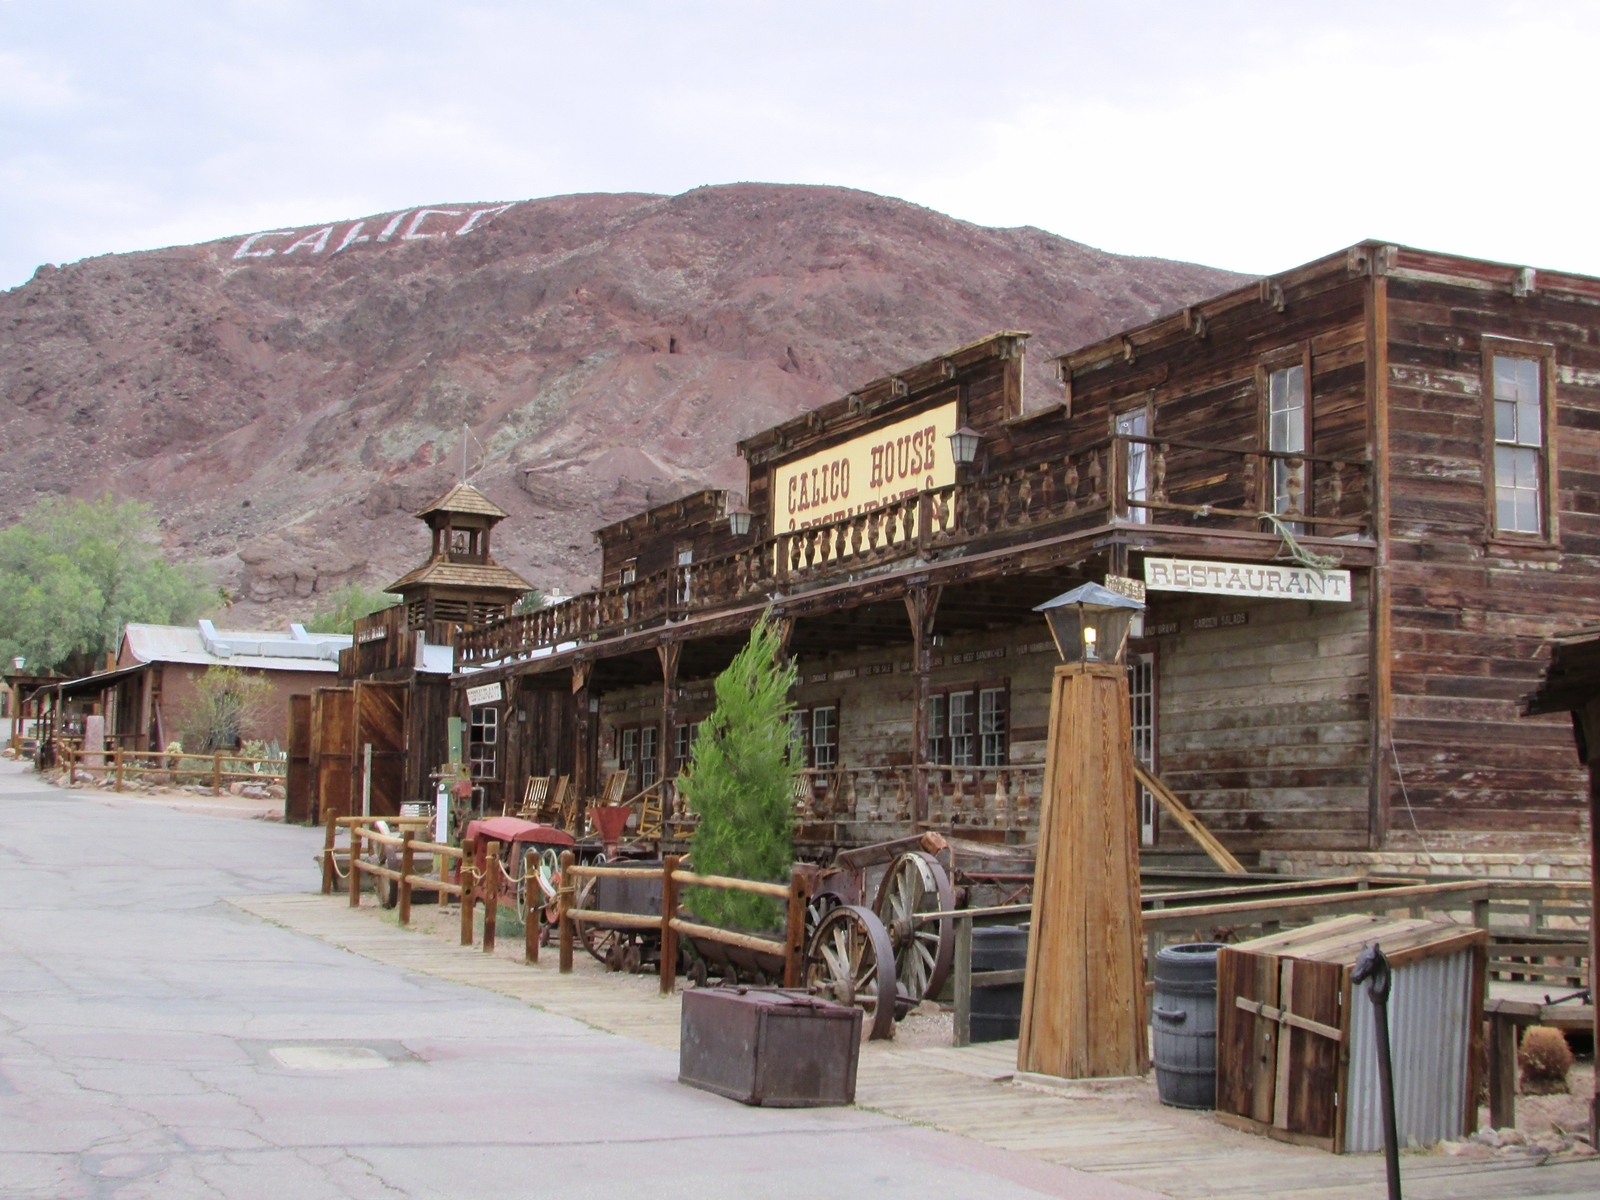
[[258, 649], [464, 498]]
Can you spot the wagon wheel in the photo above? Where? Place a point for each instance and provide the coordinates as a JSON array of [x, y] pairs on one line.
[[850, 961], [917, 883]]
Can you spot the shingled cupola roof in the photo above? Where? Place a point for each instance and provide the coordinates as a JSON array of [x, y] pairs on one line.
[[465, 499]]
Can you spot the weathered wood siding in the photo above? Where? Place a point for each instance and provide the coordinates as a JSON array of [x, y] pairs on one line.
[[1471, 613], [1263, 727]]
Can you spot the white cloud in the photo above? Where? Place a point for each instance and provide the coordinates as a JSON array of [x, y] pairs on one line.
[[1246, 134]]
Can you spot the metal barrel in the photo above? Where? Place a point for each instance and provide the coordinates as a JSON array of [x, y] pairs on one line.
[[1183, 1024], [997, 1011]]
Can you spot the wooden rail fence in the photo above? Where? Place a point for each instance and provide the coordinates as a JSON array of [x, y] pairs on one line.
[[118, 764]]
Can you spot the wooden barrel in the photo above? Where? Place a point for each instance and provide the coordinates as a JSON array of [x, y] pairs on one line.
[[997, 1011], [1183, 1022]]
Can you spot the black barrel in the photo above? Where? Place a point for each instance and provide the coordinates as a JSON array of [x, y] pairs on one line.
[[997, 1011], [1183, 1021]]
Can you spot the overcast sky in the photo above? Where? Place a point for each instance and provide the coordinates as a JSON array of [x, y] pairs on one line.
[[1246, 135]]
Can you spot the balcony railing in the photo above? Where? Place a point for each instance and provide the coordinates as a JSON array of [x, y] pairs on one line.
[[1124, 478]]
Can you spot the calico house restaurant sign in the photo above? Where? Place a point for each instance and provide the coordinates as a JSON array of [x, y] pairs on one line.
[[1255, 580], [867, 472]]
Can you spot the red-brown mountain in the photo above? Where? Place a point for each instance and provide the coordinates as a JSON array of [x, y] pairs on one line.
[[285, 400]]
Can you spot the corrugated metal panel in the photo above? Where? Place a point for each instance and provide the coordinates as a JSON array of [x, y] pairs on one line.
[[1429, 1035], [186, 644]]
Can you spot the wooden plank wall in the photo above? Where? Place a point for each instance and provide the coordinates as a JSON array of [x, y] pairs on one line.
[[1263, 726], [1470, 615]]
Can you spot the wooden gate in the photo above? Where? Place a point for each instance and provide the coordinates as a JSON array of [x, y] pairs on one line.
[[380, 722], [297, 805], [332, 735]]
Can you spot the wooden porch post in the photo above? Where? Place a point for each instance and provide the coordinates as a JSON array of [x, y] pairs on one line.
[[921, 605], [668, 652], [582, 780]]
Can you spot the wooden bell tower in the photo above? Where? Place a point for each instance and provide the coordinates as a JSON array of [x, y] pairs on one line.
[[460, 584]]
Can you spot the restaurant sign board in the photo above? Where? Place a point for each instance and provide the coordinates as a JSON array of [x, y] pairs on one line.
[[1266, 581], [867, 472]]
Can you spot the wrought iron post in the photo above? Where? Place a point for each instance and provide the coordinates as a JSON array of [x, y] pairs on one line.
[[1373, 968]]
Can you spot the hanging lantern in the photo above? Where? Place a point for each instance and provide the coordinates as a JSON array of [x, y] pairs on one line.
[[964, 446], [1090, 623], [738, 518]]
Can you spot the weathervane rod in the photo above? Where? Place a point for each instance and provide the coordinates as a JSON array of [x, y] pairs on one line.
[[463, 452]]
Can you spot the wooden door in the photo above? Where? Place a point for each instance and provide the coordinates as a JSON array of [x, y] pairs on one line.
[[380, 722], [332, 734], [297, 805]]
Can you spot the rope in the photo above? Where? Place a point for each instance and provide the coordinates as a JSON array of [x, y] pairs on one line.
[[1298, 553], [333, 858], [1405, 795]]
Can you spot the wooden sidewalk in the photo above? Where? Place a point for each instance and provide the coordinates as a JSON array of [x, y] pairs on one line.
[[1116, 1130]]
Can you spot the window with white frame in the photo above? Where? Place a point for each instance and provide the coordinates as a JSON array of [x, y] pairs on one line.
[[1142, 702], [992, 726], [1518, 445], [483, 743], [683, 737], [814, 736], [938, 728], [825, 737], [1286, 434], [649, 766], [1136, 423]]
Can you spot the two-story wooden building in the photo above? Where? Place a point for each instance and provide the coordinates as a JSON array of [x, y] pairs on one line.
[[1362, 494]]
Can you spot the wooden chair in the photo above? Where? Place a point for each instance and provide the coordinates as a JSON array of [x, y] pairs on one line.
[[616, 784], [805, 795], [535, 796], [550, 810], [650, 815]]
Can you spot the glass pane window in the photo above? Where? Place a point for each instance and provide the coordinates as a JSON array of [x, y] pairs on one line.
[[1137, 424], [824, 737], [799, 737], [648, 766], [1519, 438], [683, 740], [1142, 701], [960, 721], [628, 755], [992, 726], [1286, 433], [938, 739], [482, 742]]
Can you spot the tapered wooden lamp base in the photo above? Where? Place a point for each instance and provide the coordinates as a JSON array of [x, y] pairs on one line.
[[1083, 1008]]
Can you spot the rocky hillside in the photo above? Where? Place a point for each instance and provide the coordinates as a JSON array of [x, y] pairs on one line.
[[286, 399]]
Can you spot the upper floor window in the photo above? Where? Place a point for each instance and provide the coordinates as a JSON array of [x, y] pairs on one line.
[[814, 736], [969, 728], [1286, 434], [1136, 423], [1519, 445]]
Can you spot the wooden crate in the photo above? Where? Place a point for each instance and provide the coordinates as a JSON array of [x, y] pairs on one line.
[[1318, 1085]]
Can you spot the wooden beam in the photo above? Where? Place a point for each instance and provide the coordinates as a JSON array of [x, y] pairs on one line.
[[1215, 850]]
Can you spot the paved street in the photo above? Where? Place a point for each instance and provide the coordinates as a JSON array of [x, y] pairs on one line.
[[157, 1041]]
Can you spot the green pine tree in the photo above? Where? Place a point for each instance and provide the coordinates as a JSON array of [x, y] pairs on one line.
[[741, 784]]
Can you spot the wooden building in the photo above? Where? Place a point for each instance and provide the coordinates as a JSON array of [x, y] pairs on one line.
[[376, 737], [1361, 495], [145, 689]]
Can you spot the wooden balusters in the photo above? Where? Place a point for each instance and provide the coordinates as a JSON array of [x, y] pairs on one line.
[[1158, 473]]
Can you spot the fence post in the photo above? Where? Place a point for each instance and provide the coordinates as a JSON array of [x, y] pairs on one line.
[[469, 848], [405, 875], [116, 758], [332, 824], [802, 878], [669, 935], [491, 894], [355, 869], [563, 907], [962, 1032], [216, 772]]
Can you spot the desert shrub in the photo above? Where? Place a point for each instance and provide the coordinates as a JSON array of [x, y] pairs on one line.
[[226, 704], [342, 607], [1545, 1059], [741, 783]]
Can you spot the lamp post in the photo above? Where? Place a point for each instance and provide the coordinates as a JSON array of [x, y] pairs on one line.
[[1083, 1008], [964, 446]]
